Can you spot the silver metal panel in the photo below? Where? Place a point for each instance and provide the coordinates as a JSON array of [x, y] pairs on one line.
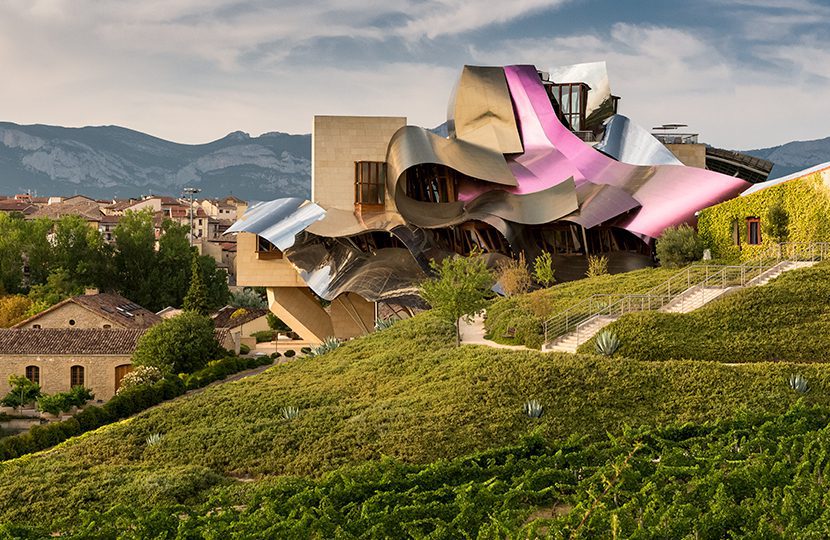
[[629, 143], [278, 221]]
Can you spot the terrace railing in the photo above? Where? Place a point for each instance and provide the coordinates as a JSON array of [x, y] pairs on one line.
[[691, 284]]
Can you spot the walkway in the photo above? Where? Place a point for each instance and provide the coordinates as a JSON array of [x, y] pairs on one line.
[[472, 333]]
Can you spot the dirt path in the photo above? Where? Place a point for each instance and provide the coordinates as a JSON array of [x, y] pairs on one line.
[[472, 333]]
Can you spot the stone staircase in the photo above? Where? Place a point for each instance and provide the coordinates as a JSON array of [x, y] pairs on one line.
[[584, 332], [713, 286]]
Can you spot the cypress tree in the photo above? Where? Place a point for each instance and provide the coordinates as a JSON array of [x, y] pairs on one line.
[[196, 298]]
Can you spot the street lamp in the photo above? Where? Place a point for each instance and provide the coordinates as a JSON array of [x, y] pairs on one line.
[[191, 191]]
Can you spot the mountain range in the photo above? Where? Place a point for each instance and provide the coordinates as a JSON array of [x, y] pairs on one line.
[[111, 161]]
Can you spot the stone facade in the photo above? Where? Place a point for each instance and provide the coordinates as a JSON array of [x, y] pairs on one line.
[[691, 155], [339, 141], [99, 371], [71, 315]]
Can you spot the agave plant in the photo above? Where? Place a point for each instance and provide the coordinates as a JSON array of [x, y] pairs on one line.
[[607, 343], [328, 344], [533, 408], [382, 323], [154, 439], [290, 413], [799, 383]]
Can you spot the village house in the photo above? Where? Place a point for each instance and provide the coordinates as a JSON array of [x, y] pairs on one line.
[[105, 311], [59, 358], [241, 323]]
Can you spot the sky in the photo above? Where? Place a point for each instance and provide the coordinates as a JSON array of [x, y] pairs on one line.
[[742, 73]]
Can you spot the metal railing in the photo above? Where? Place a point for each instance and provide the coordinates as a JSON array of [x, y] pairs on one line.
[[692, 287]]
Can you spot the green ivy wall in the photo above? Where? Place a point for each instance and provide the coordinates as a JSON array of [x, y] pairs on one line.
[[806, 199]]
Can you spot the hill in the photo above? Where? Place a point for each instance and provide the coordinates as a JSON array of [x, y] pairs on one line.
[[788, 319], [794, 156], [403, 393], [110, 161]]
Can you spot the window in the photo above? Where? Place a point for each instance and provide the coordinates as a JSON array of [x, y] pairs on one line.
[[573, 102], [36, 327], [433, 183], [753, 231], [76, 376], [33, 374], [267, 250], [71, 322], [369, 182], [107, 326]]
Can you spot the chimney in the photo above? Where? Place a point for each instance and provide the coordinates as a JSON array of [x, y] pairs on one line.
[[91, 291]]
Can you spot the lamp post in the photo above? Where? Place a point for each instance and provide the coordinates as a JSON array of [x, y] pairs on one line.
[[191, 191]]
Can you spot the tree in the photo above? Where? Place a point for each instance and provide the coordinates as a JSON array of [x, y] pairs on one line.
[[543, 270], [513, 276], [776, 224], [248, 298], [679, 246], [461, 288], [216, 282], [597, 266], [11, 253], [174, 260], [58, 286], [135, 259], [81, 252], [13, 309], [181, 344], [196, 298]]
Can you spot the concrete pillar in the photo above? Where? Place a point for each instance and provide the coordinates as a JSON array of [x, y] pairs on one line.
[[299, 309], [352, 315]]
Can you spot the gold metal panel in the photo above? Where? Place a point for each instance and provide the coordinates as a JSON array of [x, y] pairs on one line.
[[481, 111]]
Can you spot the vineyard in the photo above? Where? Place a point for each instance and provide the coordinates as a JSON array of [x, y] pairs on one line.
[[754, 476]]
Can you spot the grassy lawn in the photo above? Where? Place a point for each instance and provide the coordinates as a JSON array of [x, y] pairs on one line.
[[786, 320], [526, 313]]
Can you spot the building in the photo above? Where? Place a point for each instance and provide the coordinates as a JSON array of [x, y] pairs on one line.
[[532, 161], [735, 229], [59, 358], [241, 323], [93, 310]]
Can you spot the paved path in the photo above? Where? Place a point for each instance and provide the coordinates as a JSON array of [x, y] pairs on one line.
[[472, 333]]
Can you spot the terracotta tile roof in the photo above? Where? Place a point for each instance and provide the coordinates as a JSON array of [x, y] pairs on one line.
[[112, 307], [222, 318], [11, 205], [69, 341]]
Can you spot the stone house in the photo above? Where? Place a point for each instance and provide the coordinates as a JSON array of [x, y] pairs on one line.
[[93, 310], [60, 358], [240, 323]]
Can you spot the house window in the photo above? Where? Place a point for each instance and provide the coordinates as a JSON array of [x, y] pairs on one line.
[[36, 326], [33, 374], [76, 376], [753, 231], [369, 182], [71, 322], [267, 250], [107, 326]]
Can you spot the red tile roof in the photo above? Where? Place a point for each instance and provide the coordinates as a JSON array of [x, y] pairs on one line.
[[112, 307], [69, 341]]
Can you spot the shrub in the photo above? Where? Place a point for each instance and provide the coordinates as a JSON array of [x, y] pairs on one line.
[[290, 353], [275, 323], [182, 344], [776, 224], [219, 369], [64, 401], [290, 413], [607, 343], [799, 384], [244, 349], [23, 391], [382, 323], [679, 246], [533, 408], [306, 350], [513, 276], [328, 344], [275, 355], [597, 266], [543, 271], [247, 298], [140, 376], [264, 336], [13, 309]]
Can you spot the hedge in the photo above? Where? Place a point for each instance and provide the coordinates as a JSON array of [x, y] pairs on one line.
[[219, 369], [127, 403]]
